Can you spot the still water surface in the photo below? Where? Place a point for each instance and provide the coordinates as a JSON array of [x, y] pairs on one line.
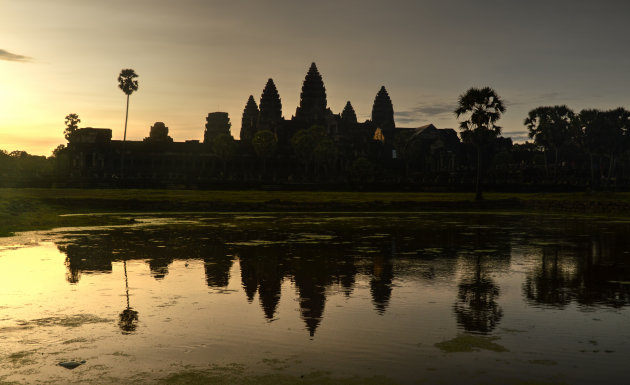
[[412, 298]]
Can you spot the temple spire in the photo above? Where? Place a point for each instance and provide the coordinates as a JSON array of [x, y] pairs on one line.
[[312, 109], [348, 115], [270, 113], [383, 110], [249, 120]]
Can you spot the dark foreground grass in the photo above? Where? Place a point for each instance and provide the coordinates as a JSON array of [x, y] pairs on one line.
[[36, 209]]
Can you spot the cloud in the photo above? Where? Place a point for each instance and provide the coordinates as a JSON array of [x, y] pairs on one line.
[[8, 56], [424, 112]]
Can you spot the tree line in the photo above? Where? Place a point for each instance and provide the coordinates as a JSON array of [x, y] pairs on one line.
[[588, 149]]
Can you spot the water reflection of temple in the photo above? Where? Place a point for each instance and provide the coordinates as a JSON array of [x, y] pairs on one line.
[[589, 270], [262, 271]]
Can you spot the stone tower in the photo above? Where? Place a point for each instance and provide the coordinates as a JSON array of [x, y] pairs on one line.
[[158, 133], [312, 109], [270, 114], [383, 110], [348, 116], [216, 123], [250, 118]]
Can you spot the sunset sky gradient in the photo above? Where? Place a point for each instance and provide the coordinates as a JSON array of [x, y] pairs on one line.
[[194, 57]]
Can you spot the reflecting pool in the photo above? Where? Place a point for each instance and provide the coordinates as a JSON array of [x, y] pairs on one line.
[[447, 298]]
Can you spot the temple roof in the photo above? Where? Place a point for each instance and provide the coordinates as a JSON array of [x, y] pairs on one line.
[[313, 97]]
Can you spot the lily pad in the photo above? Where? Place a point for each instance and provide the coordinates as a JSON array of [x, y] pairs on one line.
[[71, 364]]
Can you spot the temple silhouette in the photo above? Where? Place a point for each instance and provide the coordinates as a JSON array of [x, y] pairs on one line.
[[315, 144]]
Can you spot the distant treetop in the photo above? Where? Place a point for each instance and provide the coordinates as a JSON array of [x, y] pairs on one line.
[[72, 125], [127, 81]]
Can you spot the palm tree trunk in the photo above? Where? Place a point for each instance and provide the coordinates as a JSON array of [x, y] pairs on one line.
[[264, 167], [611, 168], [122, 159], [126, 118], [478, 193], [592, 170], [555, 164]]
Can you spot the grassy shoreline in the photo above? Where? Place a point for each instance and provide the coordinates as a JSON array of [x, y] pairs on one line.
[[23, 209]]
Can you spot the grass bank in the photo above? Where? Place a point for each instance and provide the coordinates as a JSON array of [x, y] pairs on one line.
[[34, 209]]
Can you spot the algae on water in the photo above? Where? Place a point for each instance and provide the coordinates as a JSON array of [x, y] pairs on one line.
[[218, 376], [70, 321], [470, 343], [21, 358]]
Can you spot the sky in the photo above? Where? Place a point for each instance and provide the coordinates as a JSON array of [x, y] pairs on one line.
[[194, 57]]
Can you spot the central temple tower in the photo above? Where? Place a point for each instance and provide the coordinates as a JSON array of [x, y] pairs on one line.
[[312, 109]]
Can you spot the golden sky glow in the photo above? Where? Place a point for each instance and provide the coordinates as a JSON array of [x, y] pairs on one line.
[[195, 57]]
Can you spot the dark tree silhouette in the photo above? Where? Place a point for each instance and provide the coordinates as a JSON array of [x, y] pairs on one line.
[[60, 149], [383, 110], [404, 146], [360, 171], [224, 147], [483, 108], [304, 143], [551, 128], [128, 84], [248, 122], [603, 135], [265, 143], [325, 154], [72, 125]]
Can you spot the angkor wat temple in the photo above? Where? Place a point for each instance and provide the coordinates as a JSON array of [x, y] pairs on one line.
[[315, 145]]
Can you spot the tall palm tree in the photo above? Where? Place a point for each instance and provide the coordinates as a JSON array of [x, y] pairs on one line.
[[128, 84], [483, 108]]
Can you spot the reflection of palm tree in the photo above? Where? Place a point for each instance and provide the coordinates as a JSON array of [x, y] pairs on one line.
[[128, 318], [73, 273], [476, 308]]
